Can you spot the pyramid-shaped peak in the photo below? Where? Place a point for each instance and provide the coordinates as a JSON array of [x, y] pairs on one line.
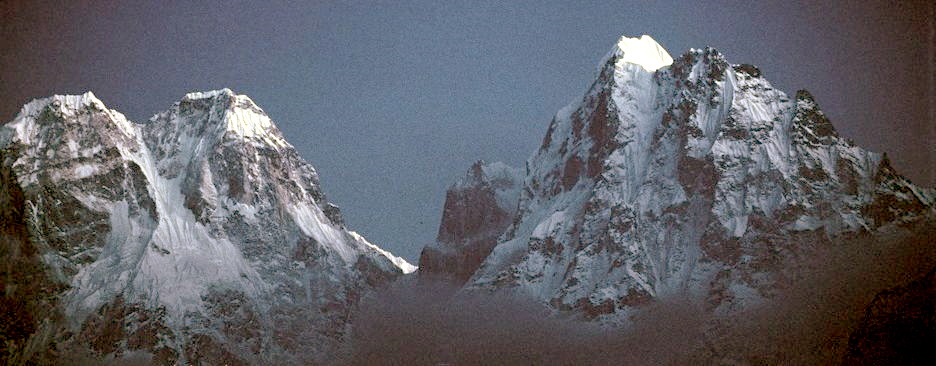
[[88, 98], [209, 94], [62, 110], [67, 103], [481, 173], [227, 97], [644, 52], [240, 115]]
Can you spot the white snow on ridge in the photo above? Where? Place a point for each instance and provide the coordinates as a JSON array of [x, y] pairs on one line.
[[644, 52], [174, 259], [404, 265], [313, 223], [247, 123], [243, 117], [25, 125]]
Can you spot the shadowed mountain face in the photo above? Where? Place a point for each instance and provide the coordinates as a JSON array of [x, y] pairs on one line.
[[687, 177], [898, 328], [198, 236]]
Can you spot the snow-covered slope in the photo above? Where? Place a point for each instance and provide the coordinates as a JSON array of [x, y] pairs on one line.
[[691, 176], [198, 236]]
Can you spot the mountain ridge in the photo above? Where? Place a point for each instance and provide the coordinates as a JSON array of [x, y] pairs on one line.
[[684, 179], [201, 230]]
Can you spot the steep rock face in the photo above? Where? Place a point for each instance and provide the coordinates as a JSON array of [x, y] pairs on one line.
[[692, 176], [477, 209], [199, 236]]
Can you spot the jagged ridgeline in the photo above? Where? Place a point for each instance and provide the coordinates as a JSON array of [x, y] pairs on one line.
[[689, 177], [202, 237], [199, 236]]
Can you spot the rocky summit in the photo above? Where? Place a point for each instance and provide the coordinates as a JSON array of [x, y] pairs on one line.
[[200, 236], [686, 177], [477, 209]]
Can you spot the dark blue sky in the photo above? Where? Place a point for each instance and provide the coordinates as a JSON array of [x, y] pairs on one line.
[[393, 100]]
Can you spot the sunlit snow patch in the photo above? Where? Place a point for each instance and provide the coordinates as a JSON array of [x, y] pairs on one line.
[[644, 52], [401, 263]]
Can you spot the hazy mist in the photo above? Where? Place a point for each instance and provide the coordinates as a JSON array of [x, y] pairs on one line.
[[809, 322]]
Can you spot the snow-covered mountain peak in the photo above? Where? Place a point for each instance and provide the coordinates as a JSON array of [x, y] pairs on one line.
[[644, 52], [203, 227], [64, 109], [237, 113], [669, 176], [209, 94], [66, 103], [810, 124]]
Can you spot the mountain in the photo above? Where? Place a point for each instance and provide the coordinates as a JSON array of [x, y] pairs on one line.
[[687, 177], [477, 209], [199, 236]]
